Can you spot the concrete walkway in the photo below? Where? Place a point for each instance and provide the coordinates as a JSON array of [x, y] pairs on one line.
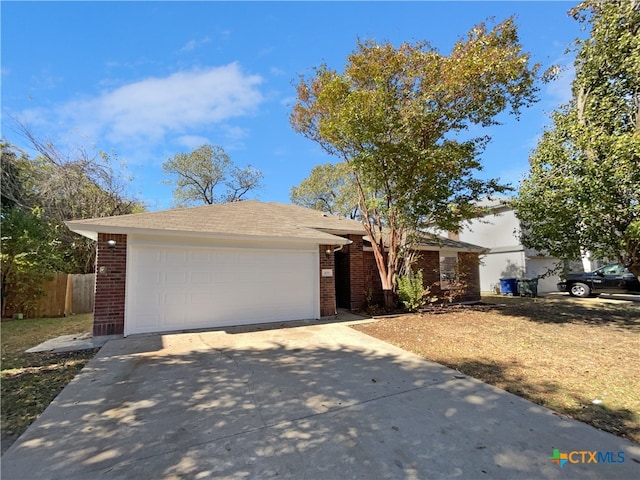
[[310, 402]]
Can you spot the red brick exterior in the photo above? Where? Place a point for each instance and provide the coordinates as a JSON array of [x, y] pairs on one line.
[[356, 269], [470, 266], [327, 284], [429, 263], [372, 283], [111, 273]]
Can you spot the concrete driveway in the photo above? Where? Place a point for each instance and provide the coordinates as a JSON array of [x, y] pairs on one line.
[[310, 402]]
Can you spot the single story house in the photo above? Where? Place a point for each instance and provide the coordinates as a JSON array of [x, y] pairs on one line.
[[239, 263]]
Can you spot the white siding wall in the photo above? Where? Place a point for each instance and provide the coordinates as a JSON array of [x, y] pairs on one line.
[[507, 258], [493, 231]]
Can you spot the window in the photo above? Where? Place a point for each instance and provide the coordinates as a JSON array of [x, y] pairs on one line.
[[615, 269], [448, 271]]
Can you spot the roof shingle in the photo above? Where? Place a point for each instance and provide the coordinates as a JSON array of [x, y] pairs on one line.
[[249, 218]]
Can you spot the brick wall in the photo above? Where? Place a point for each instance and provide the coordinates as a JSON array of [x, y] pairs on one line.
[[111, 272], [429, 263], [356, 267], [372, 283], [469, 264], [327, 284]]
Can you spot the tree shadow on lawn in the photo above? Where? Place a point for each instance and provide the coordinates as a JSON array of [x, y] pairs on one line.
[[619, 421], [577, 311], [30, 382]]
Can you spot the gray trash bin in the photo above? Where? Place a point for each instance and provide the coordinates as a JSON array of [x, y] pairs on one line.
[[528, 287]]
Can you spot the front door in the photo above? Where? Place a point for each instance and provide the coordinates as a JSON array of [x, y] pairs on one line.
[[343, 285]]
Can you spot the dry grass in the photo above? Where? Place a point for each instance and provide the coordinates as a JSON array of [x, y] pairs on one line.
[[30, 381], [559, 352]]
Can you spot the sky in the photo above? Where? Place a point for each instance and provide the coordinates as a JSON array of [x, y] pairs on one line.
[[148, 80]]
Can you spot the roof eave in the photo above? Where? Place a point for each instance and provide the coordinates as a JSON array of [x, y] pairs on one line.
[[92, 231], [478, 250]]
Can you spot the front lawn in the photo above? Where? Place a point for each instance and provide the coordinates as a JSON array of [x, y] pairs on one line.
[[30, 381], [576, 357]]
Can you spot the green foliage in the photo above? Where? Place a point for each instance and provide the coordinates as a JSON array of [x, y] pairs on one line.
[[38, 195], [396, 116], [412, 292], [14, 170], [66, 186], [329, 188], [30, 254], [583, 190], [197, 176]]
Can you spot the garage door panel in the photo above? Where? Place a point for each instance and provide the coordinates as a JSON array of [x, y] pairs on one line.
[[200, 277], [179, 288], [199, 257], [174, 299], [175, 257], [175, 278], [150, 322]]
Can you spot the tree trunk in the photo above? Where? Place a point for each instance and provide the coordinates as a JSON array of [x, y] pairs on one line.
[[635, 269], [389, 299]]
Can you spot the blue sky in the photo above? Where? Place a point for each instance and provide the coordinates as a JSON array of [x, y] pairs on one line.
[[148, 80]]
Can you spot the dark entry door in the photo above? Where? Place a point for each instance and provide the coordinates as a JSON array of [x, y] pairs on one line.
[[343, 287]]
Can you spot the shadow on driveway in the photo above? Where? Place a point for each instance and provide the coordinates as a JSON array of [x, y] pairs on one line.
[[317, 402]]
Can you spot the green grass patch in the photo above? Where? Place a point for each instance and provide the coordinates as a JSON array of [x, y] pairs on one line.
[[30, 381]]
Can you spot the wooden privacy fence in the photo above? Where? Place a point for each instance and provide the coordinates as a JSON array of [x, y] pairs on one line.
[[65, 294]]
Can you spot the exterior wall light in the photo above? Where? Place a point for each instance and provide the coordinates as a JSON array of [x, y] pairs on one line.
[[111, 244]]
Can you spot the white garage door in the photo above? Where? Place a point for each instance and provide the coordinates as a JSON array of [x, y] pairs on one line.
[[179, 288]]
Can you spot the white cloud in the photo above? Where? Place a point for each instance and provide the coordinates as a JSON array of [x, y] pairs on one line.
[[192, 141], [278, 72], [151, 109], [193, 44]]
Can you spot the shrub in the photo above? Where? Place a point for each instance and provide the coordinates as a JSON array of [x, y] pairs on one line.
[[411, 291]]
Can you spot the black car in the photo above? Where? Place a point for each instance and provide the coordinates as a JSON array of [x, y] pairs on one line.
[[614, 278]]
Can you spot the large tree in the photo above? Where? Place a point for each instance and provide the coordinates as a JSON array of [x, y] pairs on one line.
[[399, 118], [65, 185], [330, 188], [198, 176], [68, 184], [583, 191]]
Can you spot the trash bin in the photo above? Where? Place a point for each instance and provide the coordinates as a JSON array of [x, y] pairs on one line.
[[509, 286], [528, 287]]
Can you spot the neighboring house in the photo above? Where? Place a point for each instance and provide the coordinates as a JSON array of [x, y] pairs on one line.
[[499, 231], [237, 263]]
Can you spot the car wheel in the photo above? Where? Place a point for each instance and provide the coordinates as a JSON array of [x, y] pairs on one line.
[[580, 290]]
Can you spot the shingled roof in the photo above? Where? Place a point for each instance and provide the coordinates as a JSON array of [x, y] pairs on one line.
[[430, 241], [250, 218]]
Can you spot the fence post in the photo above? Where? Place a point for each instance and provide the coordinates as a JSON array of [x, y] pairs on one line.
[[68, 297]]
